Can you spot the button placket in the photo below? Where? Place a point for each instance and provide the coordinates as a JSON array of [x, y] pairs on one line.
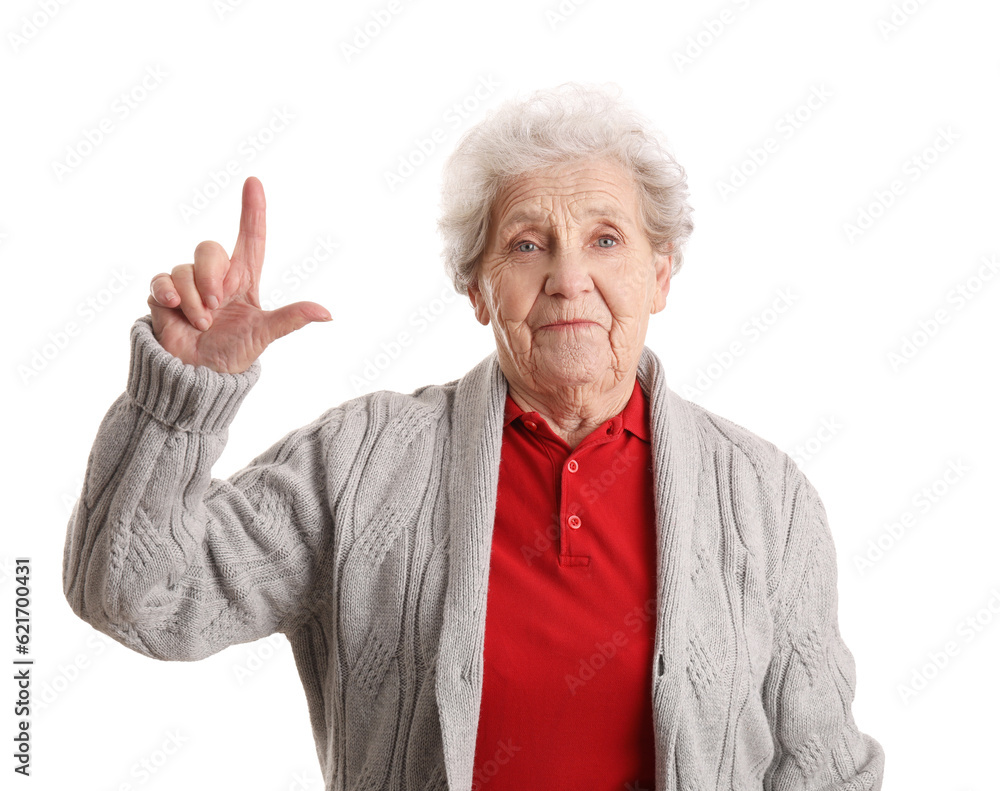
[[572, 520]]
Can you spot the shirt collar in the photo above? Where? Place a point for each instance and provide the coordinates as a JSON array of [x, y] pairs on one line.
[[634, 418]]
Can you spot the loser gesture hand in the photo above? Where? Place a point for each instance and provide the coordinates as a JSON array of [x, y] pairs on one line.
[[208, 313]]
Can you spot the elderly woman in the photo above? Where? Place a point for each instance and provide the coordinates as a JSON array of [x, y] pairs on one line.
[[550, 573]]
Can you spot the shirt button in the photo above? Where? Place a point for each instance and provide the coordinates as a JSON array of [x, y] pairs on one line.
[[574, 522], [572, 466], [531, 425]]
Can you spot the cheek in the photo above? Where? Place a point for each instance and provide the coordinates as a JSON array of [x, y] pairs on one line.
[[627, 294], [512, 295]]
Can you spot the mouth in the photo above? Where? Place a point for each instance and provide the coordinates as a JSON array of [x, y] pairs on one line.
[[560, 325]]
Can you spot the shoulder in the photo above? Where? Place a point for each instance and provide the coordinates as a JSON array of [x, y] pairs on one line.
[[766, 458], [389, 414], [770, 497], [758, 460]]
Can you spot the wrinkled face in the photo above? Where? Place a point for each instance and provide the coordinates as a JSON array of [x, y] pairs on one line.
[[568, 278]]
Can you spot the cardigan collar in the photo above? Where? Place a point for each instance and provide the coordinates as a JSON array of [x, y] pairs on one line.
[[478, 416]]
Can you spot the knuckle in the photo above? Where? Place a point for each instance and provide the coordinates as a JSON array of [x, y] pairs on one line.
[[207, 248]]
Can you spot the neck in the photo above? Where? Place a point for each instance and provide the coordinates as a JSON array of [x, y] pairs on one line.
[[573, 412]]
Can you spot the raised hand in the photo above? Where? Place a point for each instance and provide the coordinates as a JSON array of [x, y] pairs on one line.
[[208, 313]]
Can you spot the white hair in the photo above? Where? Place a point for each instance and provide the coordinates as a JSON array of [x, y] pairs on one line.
[[569, 123]]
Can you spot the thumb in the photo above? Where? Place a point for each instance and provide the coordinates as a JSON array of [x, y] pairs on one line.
[[278, 323]]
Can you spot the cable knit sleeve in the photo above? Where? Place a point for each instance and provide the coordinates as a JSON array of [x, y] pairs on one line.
[[171, 562], [810, 683]]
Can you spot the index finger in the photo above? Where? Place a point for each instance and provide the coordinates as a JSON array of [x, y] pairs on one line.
[[248, 252]]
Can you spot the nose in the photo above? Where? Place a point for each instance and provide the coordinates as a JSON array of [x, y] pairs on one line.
[[568, 273]]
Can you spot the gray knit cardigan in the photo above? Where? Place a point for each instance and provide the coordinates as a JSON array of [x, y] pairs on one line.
[[364, 537]]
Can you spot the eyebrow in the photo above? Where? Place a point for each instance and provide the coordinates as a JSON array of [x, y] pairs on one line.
[[527, 215]]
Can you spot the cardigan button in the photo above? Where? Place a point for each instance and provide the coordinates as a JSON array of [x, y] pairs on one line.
[[574, 522], [572, 466]]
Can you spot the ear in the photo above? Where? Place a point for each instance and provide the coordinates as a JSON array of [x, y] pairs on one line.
[[662, 263], [478, 303]]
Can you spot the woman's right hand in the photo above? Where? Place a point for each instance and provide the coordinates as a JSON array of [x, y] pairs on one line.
[[208, 313]]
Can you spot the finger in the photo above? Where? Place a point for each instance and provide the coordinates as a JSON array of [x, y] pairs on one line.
[[191, 303], [210, 266], [161, 289], [157, 311], [280, 322], [248, 252]]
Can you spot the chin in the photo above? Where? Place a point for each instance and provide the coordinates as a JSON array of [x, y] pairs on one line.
[[571, 364]]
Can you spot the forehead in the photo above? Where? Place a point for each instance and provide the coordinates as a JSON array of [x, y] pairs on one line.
[[586, 188]]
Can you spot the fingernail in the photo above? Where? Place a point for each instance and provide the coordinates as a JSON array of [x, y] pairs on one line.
[[328, 317], [212, 301], [169, 296], [201, 324]]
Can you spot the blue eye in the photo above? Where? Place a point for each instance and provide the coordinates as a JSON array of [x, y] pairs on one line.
[[607, 239], [520, 246]]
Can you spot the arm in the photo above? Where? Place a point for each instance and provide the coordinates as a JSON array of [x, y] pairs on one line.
[[173, 563], [809, 686]]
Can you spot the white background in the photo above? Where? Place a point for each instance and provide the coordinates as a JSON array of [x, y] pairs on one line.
[[893, 89]]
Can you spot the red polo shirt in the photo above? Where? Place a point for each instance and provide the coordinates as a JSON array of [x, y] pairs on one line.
[[571, 609]]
